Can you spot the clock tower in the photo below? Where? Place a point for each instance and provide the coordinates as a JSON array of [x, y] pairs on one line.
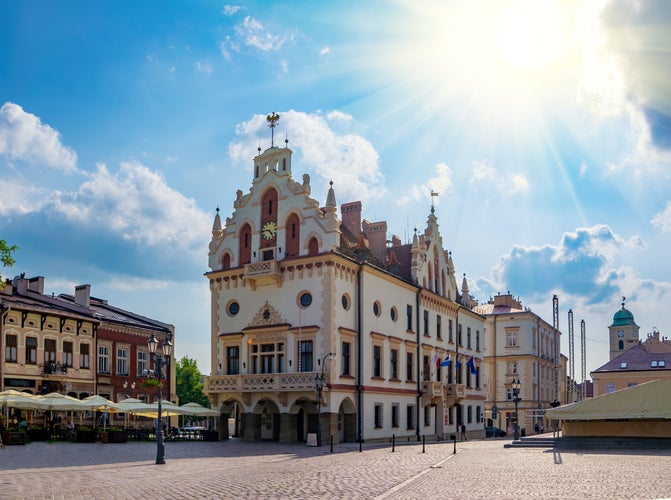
[[623, 333]]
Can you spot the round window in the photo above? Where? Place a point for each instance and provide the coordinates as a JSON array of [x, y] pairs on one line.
[[376, 308], [233, 308], [393, 314], [306, 299], [345, 302]]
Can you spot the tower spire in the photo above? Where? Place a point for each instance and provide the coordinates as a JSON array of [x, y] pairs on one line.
[[272, 120], [433, 195]]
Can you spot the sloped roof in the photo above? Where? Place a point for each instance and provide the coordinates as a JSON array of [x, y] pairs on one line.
[[649, 400], [637, 358]]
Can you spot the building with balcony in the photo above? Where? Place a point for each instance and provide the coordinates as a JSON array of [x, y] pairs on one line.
[[521, 346], [300, 295]]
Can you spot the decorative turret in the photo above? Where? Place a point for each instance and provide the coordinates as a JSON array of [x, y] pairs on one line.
[[623, 333], [217, 231]]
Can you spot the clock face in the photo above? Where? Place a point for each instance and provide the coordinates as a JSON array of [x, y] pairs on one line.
[[620, 333], [269, 230]]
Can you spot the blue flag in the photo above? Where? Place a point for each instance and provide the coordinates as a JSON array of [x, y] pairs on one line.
[[471, 366], [447, 361]]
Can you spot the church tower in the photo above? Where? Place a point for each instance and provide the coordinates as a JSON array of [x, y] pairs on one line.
[[623, 333]]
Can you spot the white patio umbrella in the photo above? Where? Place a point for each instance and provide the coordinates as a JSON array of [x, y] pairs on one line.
[[56, 401], [99, 403], [201, 411], [16, 399], [168, 409]]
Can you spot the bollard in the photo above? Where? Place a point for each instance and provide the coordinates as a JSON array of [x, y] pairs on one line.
[[331, 443], [454, 439], [423, 444], [393, 442], [360, 450]]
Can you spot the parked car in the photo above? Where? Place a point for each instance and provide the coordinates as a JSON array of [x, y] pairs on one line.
[[494, 432]]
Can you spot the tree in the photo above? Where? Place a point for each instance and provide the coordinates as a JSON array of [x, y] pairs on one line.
[[190, 383], [6, 257]]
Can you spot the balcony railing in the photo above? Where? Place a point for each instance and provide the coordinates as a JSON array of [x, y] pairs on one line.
[[262, 273], [261, 382], [54, 368]]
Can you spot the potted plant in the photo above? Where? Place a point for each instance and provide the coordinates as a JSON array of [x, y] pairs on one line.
[[86, 435], [38, 433], [117, 435]]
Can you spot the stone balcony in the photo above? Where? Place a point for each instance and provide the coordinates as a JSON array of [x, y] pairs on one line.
[[262, 382], [437, 392], [263, 273]]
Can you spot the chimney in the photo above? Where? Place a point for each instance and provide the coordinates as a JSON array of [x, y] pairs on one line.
[[83, 295], [36, 284], [376, 232], [351, 217]]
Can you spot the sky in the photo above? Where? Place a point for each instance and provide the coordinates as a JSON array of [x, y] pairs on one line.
[[545, 127]]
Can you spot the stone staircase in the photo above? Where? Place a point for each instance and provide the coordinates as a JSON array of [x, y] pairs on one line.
[[591, 443]]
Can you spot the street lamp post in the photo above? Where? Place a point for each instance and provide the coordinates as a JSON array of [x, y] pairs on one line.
[[516, 385], [319, 385], [161, 360]]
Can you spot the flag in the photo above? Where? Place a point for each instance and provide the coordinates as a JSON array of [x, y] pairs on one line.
[[447, 361], [436, 359], [471, 366]]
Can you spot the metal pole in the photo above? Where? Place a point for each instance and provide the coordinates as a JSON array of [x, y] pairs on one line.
[[454, 439], [160, 447], [319, 412]]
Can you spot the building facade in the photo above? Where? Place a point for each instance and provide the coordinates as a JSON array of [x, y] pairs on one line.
[[300, 295], [632, 361], [521, 346], [75, 344]]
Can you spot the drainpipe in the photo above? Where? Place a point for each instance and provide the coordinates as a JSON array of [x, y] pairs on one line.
[[360, 353], [4, 311], [495, 368], [456, 360], [419, 370]]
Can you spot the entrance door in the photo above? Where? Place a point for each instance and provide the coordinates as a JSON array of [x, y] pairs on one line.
[[300, 425], [267, 425]]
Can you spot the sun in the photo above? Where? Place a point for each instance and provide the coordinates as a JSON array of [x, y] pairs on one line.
[[532, 34]]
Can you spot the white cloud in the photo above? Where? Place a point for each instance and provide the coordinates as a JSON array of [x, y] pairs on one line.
[[662, 220], [254, 34], [230, 10], [325, 51], [440, 183], [18, 198], [338, 116], [507, 184], [347, 159], [205, 68], [136, 203], [24, 137]]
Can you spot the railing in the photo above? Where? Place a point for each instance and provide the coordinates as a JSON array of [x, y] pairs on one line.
[[261, 268], [261, 382], [455, 391]]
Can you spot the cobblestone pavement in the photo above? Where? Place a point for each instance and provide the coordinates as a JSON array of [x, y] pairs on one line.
[[235, 469]]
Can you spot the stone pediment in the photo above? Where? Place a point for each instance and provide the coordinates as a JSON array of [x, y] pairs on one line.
[[266, 315]]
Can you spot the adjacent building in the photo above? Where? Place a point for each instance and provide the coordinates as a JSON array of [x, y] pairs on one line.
[[325, 324], [75, 344], [522, 347]]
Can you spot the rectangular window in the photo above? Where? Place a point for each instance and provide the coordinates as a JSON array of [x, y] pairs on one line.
[[269, 358], [478, 414], [410, 416], [67, 353], [439, 332], [477, 340], [31, 350], [395, 415], [449, 331], [427, 415], [142, 366], [409, 366], [469, 414], [233, 360], [84, 356], [511, 338], [345, 360], [426, 323], [426, 369], [408, 312], [49, 351], [122, 361], [393, 364], [305, 350], [11, 345], [378, 415], [610, 388], [377, 361], [468, 337], [459, 339], [103, 359]]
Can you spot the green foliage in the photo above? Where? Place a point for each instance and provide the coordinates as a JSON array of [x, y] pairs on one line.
[[148, 383], [190, 383], [6, 257]]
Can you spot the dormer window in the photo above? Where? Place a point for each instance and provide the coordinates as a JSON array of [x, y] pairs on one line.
[[623, 364], [662, 364], [653, 364]]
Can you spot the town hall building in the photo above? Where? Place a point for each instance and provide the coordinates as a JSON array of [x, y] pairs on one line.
[[323, 326]]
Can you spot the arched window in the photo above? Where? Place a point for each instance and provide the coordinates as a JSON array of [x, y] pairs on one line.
[[620, 344], [313, 246], [269, 205], [226, 261], [292, 236], [245, 252]]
